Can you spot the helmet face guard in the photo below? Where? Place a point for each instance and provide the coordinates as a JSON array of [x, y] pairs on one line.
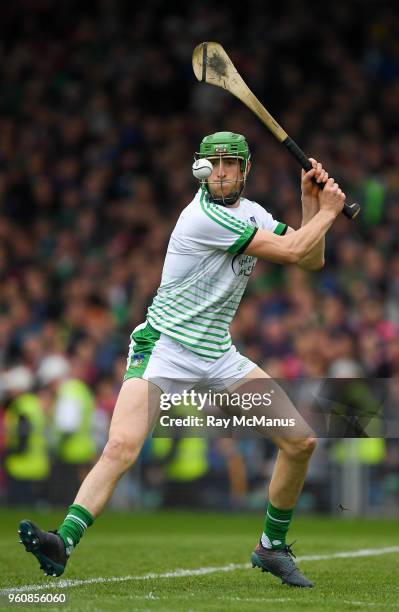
[[226, 145]]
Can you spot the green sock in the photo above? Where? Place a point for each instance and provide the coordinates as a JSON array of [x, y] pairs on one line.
[[75, 524], [277, 524]]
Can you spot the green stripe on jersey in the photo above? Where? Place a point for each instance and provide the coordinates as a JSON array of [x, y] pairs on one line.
[[280, 227], [224, 219], [249, 232], [223, 213], [209, 353], [221, 221], [200, 336], [228, 221], [216, 299], [188, 314]]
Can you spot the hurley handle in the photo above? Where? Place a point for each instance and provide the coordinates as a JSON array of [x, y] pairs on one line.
[[349, 210]]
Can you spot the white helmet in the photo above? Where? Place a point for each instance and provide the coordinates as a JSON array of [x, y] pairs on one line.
[[52, 367], [345, 368], [18, 380]]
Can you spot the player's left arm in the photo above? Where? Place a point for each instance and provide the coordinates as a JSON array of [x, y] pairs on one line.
[[314, 260]]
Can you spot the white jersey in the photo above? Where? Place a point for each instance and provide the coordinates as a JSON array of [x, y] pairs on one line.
[[205, 273]]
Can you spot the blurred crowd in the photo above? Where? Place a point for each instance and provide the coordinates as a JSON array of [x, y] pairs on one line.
[[100, 116]]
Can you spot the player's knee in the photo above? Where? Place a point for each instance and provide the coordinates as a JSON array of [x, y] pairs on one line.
[[300, 449], [121, 451]]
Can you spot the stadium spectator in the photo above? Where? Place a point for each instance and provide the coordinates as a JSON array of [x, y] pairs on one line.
[[97, 119], [26, 453], [73, 441]]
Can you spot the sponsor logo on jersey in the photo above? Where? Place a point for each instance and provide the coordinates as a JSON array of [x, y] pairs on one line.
[[253, 221], [243, 265], [137, 360]]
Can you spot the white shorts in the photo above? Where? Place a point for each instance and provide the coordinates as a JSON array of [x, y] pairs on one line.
[[174, 368]]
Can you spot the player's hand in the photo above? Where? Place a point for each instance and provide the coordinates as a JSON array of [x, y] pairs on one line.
[[310, 190], [332, 197]]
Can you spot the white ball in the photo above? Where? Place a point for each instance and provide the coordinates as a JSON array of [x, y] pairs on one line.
[[202, 168]]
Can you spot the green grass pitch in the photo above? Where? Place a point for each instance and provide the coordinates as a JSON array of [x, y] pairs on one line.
[[133, 550]]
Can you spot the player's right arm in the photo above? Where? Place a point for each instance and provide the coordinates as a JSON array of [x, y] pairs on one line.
[[293, 246]]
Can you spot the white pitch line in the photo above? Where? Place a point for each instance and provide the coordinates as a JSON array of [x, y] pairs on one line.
[[201, 571], [179, 573], [285, 599], [365, 552]]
